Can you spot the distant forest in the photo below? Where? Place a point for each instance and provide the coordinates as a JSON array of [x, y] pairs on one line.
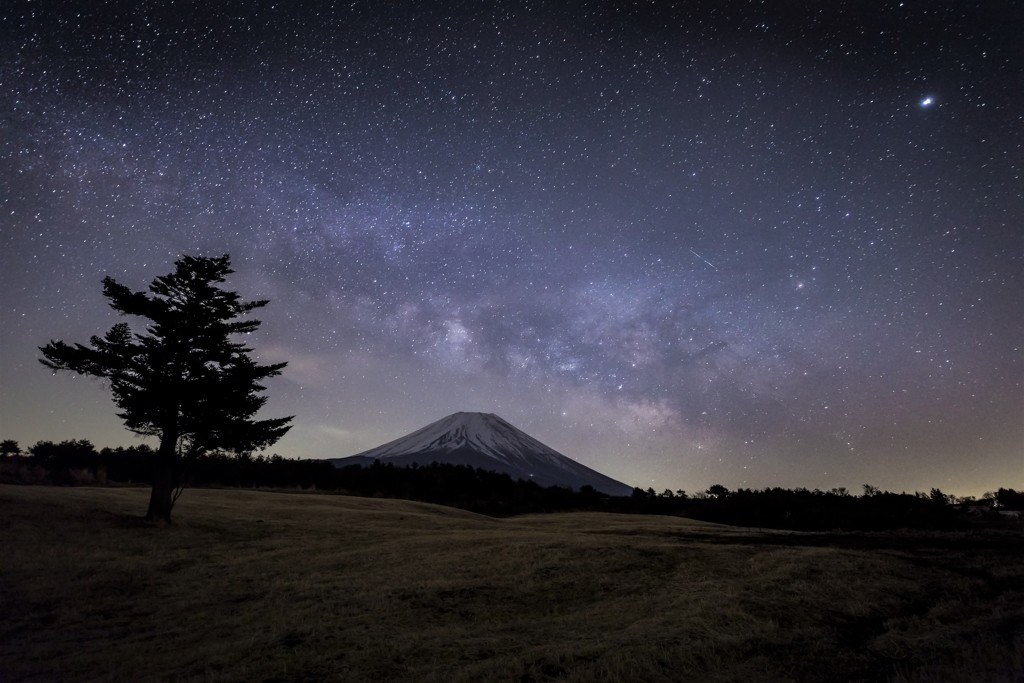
[[77, 462]]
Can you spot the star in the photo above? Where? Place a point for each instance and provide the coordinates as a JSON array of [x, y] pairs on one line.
[[927, 102]]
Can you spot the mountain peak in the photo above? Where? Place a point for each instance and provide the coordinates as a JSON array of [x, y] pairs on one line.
[[487, 441]]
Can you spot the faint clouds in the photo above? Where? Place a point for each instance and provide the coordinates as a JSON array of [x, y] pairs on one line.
[[304, 369], [337, 433]]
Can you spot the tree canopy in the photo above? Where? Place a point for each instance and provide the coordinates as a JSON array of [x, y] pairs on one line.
[[185, 379]]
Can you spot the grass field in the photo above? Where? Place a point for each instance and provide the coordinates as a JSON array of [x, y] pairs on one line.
[[257, 586]]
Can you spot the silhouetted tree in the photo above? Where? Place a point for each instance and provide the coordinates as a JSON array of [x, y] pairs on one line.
[[9, 447], [64, 460], [183, 380], [69, 453], [132, 464], [1010, 499], [717, 491], [588, 495]]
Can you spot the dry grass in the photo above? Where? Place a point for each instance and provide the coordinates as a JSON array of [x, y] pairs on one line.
[[252, 586]]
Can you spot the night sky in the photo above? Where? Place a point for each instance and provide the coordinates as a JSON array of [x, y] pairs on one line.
[[683, 243]]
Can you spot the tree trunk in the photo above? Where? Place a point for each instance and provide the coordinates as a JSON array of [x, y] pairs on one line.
[[161, 497]]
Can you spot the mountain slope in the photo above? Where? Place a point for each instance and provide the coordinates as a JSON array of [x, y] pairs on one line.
[[487, 441]]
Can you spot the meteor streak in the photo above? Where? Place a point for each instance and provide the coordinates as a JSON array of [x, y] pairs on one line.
[[704, 259]]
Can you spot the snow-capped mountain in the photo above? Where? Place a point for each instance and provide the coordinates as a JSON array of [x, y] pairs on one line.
[[486, 441]]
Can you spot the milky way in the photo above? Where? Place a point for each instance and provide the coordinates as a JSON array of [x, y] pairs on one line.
[[725, 243]]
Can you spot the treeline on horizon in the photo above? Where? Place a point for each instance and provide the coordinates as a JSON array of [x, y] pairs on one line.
[[77, 462]]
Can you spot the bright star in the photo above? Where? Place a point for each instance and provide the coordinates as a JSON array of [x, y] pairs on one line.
[[928, 101]]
